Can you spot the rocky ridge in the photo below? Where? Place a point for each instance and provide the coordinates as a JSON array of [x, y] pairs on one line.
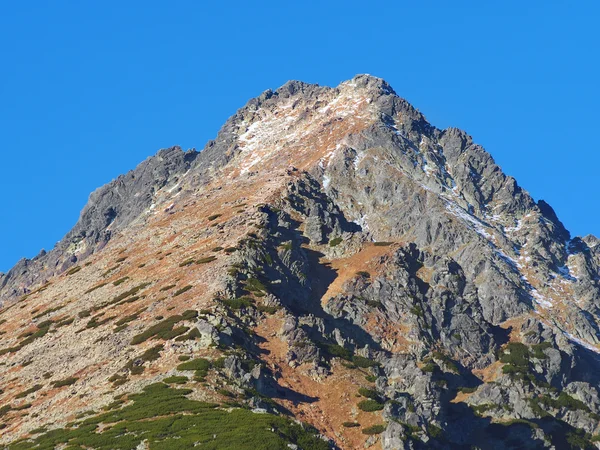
[[329, 241]]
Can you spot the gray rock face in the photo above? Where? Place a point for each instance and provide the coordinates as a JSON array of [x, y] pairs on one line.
[[109, 209]]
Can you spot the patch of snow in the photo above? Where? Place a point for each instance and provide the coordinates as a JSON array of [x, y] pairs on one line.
[[358, 159], [476, 224], [516, 228], [544, 302], [326, 181], [581, 342], [362, 222]]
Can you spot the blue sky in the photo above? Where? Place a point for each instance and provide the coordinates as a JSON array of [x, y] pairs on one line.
[[90, 89]]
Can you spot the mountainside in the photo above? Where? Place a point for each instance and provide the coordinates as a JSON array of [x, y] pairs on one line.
[[331, 271]]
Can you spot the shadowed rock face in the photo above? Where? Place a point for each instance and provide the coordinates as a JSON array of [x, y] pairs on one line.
[[328, 234]]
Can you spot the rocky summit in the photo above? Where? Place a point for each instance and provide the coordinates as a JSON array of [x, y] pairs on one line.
[[332, 271]]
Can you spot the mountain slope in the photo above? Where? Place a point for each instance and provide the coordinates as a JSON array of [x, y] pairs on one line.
[[328, 240]]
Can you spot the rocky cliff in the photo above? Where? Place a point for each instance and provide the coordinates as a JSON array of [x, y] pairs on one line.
[[332, 271]]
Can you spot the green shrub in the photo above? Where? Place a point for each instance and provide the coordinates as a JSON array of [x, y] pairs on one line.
[[429, 367], [96, 321], [538, 350], [370, 405], [238, 303], [382, 244], [351, 424], [176, 380], [335, 242], [213, 217], [515, 354], [31, 390], [374, 429], [417, 311], [182, 290], [73, 270], [369, 393], [371, 378], [467, 390], [254, 285], [230, 250], [226, 393], [195, 364], [66, 382], [120, 281], [206, 260], [162, 330], [217, 249], [363, 274], [361, 361], [166, 288], [48, 311], [187, 262], [165, 418]]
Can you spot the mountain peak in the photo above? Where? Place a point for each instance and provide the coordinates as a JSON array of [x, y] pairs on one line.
[[329, 241]]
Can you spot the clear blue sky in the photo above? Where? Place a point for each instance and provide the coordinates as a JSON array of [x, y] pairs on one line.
[[90, 89]]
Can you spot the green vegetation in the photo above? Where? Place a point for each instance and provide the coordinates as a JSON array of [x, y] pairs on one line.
[[213, 217], [238, 303], [31, 390], [538, 349], [182, 290], [206, 260], [335, 242], [176, 380], [126, 294], [374, 429], [369, 393], [370, 405], [217, 249], [66, 382], [42, 330], [363, 274], [254, 285], [230, 250], [199, 365], [130, 318], [187, 262], [48, 311], [162, 330], [167, 419], [109, 270], [73, 270], [120, 281], [417, 311], [166, 288], [382, 244], [96, 321], [351, 424], [361, 361], [467, 390]]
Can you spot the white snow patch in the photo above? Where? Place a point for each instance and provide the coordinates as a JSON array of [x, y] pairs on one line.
[[475, 223], [362, 222], [544, 302], [326, 181], [581, 342]]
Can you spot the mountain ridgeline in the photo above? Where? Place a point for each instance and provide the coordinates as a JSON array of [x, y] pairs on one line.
[[332, 271]]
